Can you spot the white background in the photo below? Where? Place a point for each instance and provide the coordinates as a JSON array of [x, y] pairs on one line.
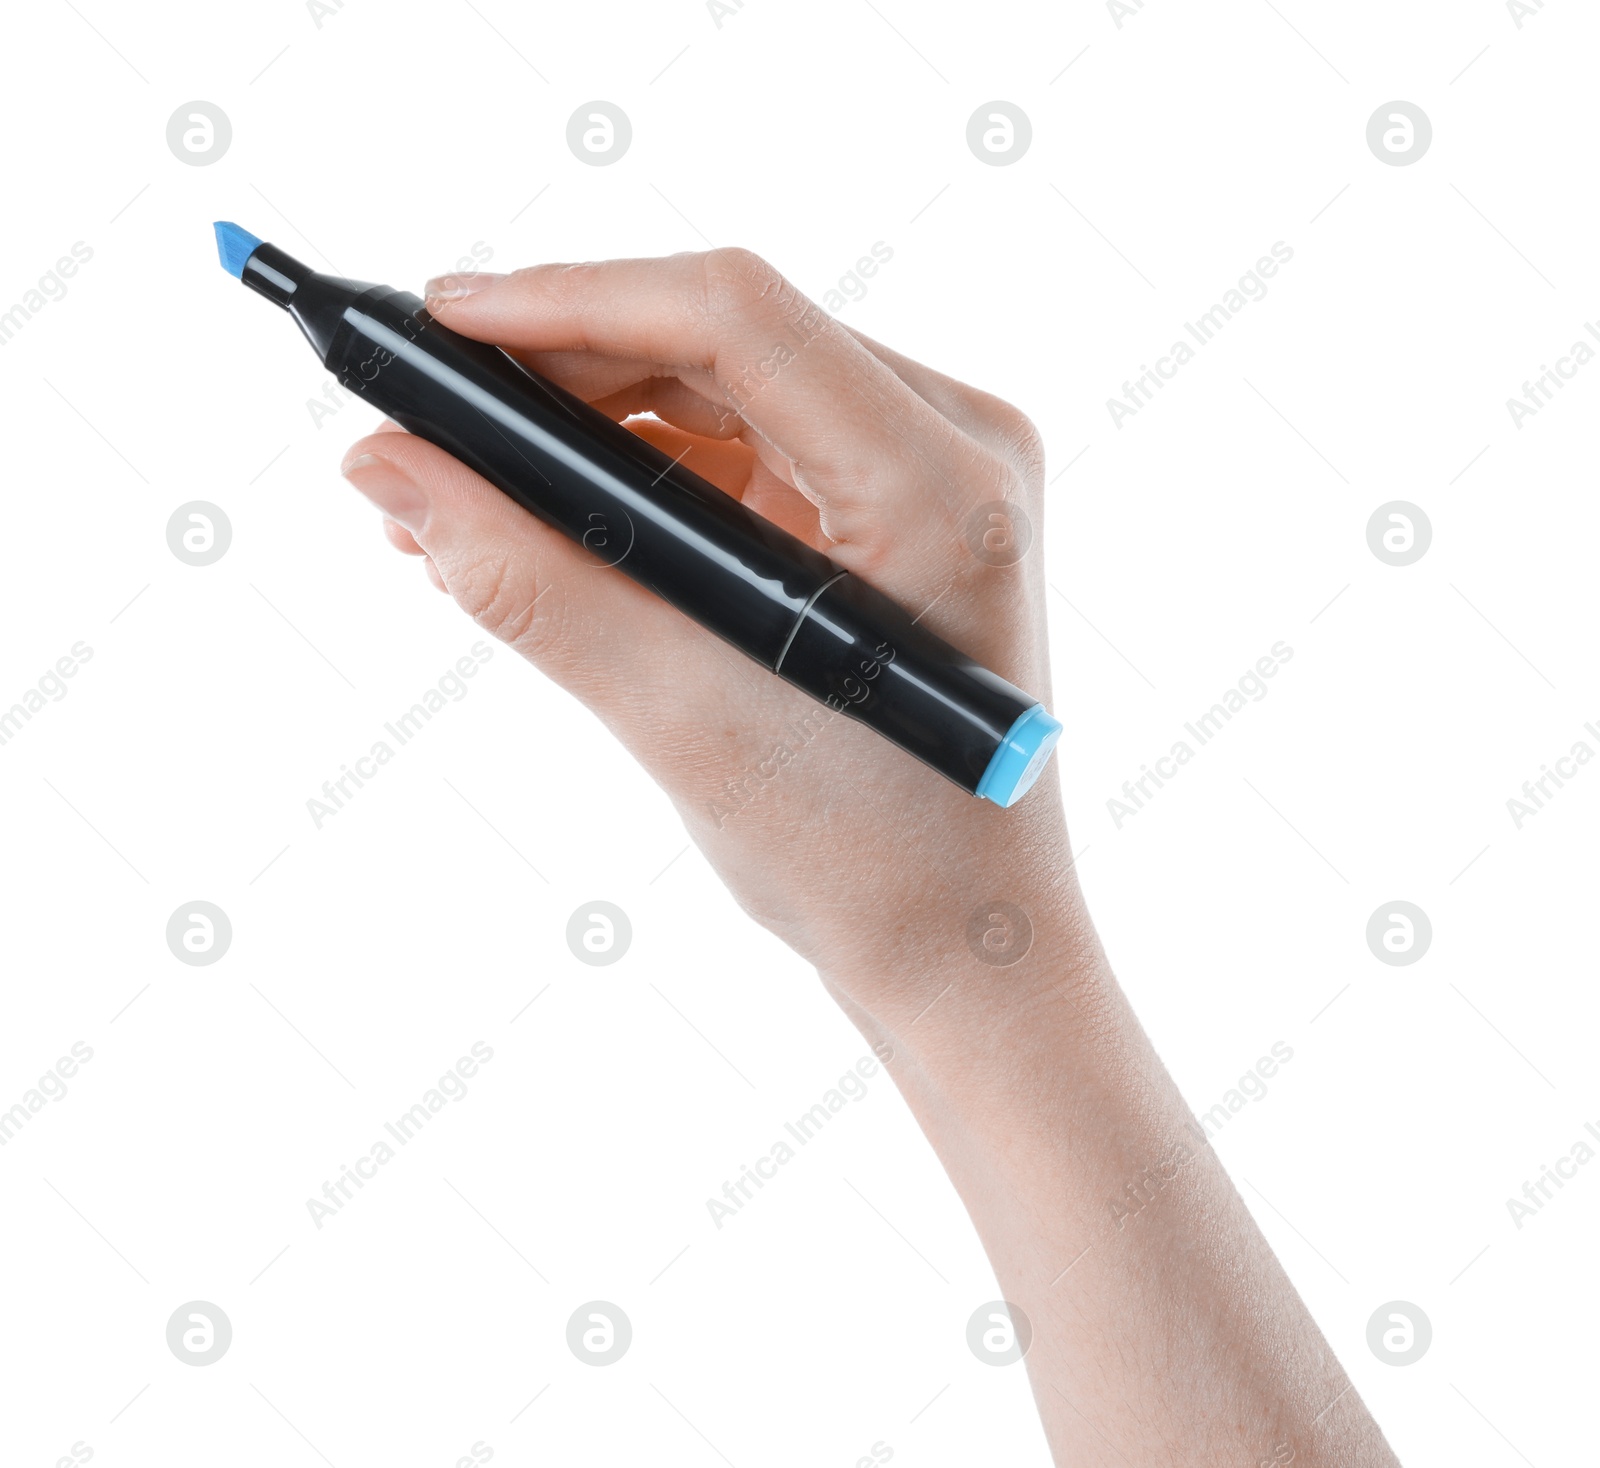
[[1168, 155]]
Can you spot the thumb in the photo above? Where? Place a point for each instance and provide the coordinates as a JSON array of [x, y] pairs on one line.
[[563, 607]]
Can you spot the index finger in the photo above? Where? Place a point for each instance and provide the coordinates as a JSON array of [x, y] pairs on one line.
[[865, 449]]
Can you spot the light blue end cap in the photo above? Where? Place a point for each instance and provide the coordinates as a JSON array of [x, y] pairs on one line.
[[235, 246], [1021, 757]]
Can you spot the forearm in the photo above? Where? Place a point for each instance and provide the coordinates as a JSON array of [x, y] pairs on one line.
[[1163, 1329]]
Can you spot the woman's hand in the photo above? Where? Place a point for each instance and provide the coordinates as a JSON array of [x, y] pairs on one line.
[[866, 862], [1163, 1331]]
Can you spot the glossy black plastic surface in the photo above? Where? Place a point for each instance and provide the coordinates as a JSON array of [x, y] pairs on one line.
[[622, 498], [861, 654], [767, 593]]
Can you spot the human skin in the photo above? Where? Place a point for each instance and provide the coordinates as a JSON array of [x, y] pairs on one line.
[[1164, 1331]]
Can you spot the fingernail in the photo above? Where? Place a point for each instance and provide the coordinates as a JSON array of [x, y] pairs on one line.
[[390, 490], [459, 287]]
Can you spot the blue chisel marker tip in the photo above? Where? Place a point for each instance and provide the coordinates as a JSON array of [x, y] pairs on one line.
[[234, 246]]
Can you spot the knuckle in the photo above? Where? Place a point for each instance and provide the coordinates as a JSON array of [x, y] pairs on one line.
[[575, 273], [979, 469], [1015, 436], [737, 275], [742, 286], [526, 277], [1024, 443], [500, 596]]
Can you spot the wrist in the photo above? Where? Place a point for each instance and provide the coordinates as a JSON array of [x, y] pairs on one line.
[[974, 1001]]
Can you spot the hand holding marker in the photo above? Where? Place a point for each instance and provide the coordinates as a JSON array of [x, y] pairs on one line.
[[957, 940], [765, 591]]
